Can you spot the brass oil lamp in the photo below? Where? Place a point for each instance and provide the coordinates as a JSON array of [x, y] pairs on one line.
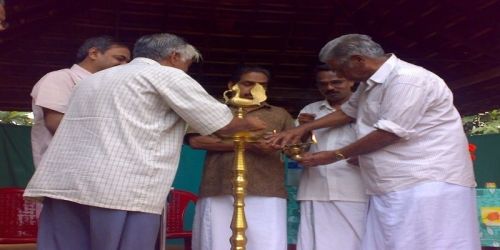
[[238, 223], [295, 151]]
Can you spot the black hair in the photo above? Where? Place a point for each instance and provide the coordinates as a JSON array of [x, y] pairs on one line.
[[101, 43], [236, 76], [321, 68], [326, 67]]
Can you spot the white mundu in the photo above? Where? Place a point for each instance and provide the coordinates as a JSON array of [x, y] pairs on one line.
[[332, 197], [266, 220]]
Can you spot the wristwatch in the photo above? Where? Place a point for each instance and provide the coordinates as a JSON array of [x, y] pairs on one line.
[[338, 156]]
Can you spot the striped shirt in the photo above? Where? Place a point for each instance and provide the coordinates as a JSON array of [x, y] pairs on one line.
[[119, 143], [338, 181], [417, 106]]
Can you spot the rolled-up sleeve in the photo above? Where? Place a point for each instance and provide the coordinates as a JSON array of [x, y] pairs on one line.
[[402, 107], [189, 100]]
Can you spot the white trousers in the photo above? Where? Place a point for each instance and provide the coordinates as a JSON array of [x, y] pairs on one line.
[[330, 225], [430, 216], [266, 220]]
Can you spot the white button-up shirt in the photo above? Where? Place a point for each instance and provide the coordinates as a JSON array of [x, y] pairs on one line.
[[52, 92], [119, 143], [336, 181], [417, 106]]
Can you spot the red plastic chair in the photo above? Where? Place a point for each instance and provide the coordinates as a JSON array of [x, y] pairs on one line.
[[178, 201], [18, 223]]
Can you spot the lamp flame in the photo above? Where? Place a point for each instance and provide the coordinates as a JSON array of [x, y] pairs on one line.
[[313, 139]]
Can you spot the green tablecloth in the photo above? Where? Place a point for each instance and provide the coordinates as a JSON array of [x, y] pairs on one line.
[[293, 213], [16, 162]]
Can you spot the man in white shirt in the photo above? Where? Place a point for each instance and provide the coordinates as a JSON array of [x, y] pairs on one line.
[[52, 92], [108, 170], [332, 197], [411, 146]]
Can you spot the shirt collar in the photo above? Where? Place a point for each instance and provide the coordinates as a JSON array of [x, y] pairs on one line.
[[381, 75], [326, 105], [79, 71], [144, 60]]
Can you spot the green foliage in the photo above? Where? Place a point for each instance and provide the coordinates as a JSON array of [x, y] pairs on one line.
[[16, 118], [482, 123]]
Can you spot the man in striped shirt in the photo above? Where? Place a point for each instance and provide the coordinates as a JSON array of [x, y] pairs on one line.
[[411, 146]]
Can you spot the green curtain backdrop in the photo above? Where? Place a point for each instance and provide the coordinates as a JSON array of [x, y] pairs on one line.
[[487, 163], [16, 167]]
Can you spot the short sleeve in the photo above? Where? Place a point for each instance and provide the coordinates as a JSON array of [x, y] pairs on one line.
[[191, 102], [54, 91], [307, 109]]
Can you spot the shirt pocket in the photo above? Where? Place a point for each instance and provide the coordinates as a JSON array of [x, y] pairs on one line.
[[344, 136], [369, 112]]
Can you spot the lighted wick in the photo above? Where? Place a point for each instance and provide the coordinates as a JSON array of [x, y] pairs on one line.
[[295, 150], [313, 138]]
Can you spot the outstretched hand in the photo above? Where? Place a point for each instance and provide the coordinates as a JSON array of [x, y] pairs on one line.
[[261, 146], [290, 136], [305, 118], [353, 161], [316, 159], [254, 123]]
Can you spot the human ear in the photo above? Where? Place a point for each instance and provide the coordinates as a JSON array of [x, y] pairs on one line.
[[93, 53], [357, 58]]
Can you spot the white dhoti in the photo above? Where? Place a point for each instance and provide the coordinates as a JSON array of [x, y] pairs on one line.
[[430, 216], [330, 225], [266, 220]]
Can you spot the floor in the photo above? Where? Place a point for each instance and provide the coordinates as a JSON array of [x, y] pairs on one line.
[[169, 247], [17, 246]]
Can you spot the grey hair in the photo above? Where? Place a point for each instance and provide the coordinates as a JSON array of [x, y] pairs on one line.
[[341, 48], [2, 2], [160, 46]]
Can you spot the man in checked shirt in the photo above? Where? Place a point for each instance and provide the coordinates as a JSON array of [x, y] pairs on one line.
[[109, 168]]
